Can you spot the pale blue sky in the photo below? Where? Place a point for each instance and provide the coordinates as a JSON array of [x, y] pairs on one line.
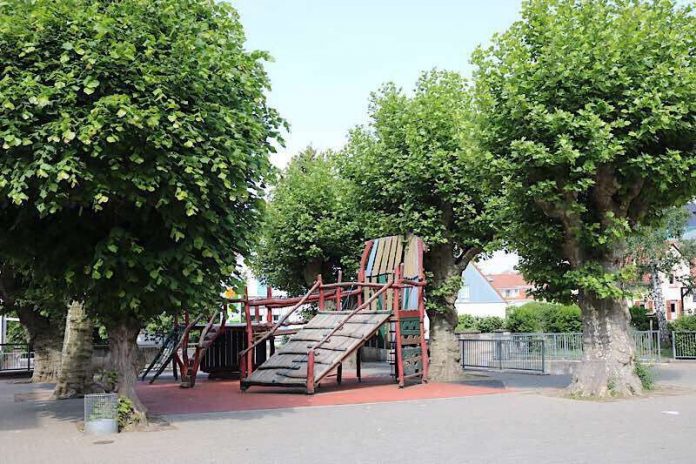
[[330, 54]]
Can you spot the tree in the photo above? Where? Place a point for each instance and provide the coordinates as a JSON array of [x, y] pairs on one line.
[[588, 110], [41, 316], [659, 250], [311, 227], [135, 153], [415, 167]]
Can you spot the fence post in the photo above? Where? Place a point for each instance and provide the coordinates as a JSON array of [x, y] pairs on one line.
[[674, 345], [543, 357]]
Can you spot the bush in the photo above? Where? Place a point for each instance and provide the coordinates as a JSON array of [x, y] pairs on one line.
[[467, 322], [639, 318], [683, 324], [545, 317], [490, 324], [645, 375]]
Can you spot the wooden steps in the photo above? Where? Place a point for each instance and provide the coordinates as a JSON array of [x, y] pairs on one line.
[[288, 365]]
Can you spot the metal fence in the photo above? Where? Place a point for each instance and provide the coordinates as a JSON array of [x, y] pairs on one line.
[[504, 353], [684, 345], [568, 346], [16, 357]]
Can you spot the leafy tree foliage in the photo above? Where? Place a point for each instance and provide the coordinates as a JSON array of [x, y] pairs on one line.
[[135, 140], [658, 250], [588, 109], [415, 167], [312, 225]]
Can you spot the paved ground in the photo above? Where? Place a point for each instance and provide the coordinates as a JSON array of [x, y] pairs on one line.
[[529, 425]]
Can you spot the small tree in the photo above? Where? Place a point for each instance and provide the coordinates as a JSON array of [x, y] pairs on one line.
[[312, 225], [588, 108], [659, 250], [416, 169], [135, 150]]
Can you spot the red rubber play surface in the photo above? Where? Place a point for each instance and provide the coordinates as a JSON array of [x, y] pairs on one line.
[[165, 396]]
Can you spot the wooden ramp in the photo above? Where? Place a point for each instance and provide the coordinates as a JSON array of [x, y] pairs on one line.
[[288, 365]]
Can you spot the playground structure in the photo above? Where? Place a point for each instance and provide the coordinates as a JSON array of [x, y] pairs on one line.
[[389, 292]]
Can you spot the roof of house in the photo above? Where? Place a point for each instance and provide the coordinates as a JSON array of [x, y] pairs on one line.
[[510, 280], [507, 280]]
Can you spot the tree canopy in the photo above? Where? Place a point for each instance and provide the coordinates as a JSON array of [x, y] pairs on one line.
[[135, 140], [588, 110], [312, 225]]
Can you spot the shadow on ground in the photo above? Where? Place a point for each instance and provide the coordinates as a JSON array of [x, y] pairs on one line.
[[25, 406]]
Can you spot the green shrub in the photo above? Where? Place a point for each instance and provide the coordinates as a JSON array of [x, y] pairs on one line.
[[645, 375], [128, 418], [683, 324], [545, 317], [467, 323], [639, 318]]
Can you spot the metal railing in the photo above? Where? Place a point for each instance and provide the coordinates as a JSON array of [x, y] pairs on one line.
[[568, 346], [16, 357], [522, 353], [684, 345]]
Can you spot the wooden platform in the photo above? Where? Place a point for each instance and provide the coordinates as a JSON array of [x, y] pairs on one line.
[[288, 366]]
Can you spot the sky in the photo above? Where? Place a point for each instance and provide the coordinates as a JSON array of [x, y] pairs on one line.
[[328, 55]]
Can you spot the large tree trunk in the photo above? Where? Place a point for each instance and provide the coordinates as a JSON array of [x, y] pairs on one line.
[[608, 363], [47, 358], [659, 303], [442, 290], [445, 353], [46, 339], [76, 377], [125, 359]]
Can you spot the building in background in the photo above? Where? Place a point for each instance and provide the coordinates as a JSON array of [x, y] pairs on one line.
[[678, 298], [477, 295], [512, 287]]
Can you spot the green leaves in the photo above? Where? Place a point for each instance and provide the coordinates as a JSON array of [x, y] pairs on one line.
[[122, 143], [588, 110]]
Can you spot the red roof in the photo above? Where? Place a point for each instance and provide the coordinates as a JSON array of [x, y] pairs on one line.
[[510, 281]]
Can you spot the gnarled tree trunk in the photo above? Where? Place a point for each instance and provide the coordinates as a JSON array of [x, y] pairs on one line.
[[446, 270], [608, 363], [125, 359], [76, 377], [46, 339]]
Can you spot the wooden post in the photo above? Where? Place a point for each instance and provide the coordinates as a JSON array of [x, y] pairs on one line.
[[357, 364], [425, 359], [397, 317], [321, 293], [338, 291], [269, 310], [310, 372], [249, 361], [339, 373]]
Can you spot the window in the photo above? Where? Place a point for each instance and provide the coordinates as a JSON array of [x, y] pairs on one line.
[[510, 292], [672, 307], [276, 317], [671, 278]]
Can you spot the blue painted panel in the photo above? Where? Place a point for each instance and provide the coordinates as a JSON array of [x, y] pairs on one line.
[[480, 289]]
